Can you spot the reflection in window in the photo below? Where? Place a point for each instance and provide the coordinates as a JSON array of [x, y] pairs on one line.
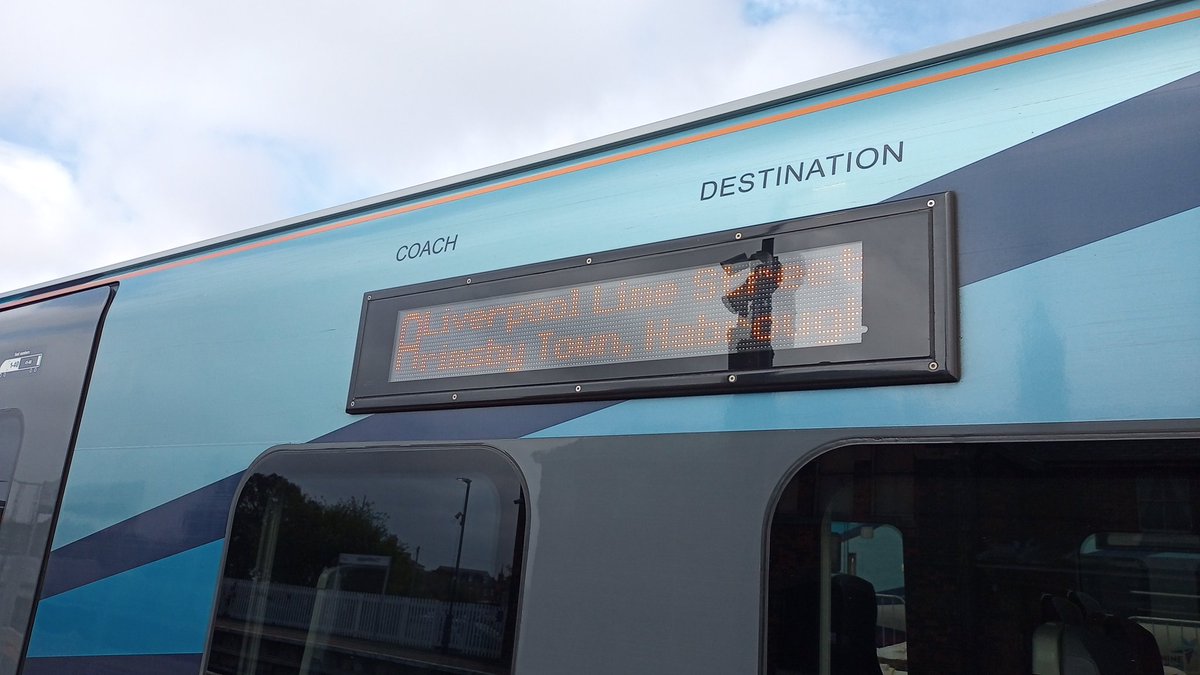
[[10, 446], [1049, 558], [380, 561]]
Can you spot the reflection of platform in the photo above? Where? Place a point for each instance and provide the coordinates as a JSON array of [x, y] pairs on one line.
[[1177, 640], [285, 646]]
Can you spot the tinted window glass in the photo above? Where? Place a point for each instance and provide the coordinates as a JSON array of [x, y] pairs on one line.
[[989, 558], [372, 561], [11, 432]]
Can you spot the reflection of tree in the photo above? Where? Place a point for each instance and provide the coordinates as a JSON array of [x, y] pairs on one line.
[[313, 570], [311, 535]]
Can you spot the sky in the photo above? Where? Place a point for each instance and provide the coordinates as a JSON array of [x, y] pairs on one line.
[[129, 127]]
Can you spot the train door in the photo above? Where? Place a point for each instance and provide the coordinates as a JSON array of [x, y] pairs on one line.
[[46, 354]]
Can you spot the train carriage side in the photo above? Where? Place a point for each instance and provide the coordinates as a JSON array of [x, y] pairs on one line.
[[891, 372]]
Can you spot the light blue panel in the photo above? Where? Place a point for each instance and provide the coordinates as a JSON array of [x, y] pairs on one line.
[[203, 366], [109, 485], [161, 608], [190, 386], [1105, 332]]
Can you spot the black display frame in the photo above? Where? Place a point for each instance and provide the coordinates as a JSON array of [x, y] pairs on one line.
[[905, 343]]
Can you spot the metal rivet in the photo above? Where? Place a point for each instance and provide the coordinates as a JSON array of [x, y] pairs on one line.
[[733, 378], [351, 404], [453, 397], [468, 280], [738, 235], [588, 261], [578, 388], [933, 365], [368, 297], [929, 203]]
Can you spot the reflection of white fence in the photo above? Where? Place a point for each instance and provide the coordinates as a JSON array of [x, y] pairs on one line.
[[416, 623], [1177, 640], [891, 625]]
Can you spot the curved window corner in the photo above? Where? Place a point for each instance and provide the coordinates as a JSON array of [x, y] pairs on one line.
[[372, 561], [1043, 557]]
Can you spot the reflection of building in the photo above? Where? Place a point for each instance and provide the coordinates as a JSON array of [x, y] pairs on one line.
[[473, 585]]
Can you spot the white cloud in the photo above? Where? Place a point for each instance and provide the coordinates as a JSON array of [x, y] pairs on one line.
[[49, 222], [156, 124], [39, 206], [37, 189]]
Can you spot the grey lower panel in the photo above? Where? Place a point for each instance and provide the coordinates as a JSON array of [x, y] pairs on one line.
[[647, 554]]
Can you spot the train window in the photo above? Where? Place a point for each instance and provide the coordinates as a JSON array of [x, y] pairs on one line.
[[371, 561], [988, 558]]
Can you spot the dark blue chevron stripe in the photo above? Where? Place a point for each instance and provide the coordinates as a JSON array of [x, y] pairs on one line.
[[199, 517], [461, 424], [1117, 169], [181, 524]]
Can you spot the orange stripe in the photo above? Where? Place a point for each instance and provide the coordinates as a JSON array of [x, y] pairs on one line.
[[648, 150]]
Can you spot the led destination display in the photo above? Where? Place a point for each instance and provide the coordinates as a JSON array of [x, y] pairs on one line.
[[856, 298], [791, 300]]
